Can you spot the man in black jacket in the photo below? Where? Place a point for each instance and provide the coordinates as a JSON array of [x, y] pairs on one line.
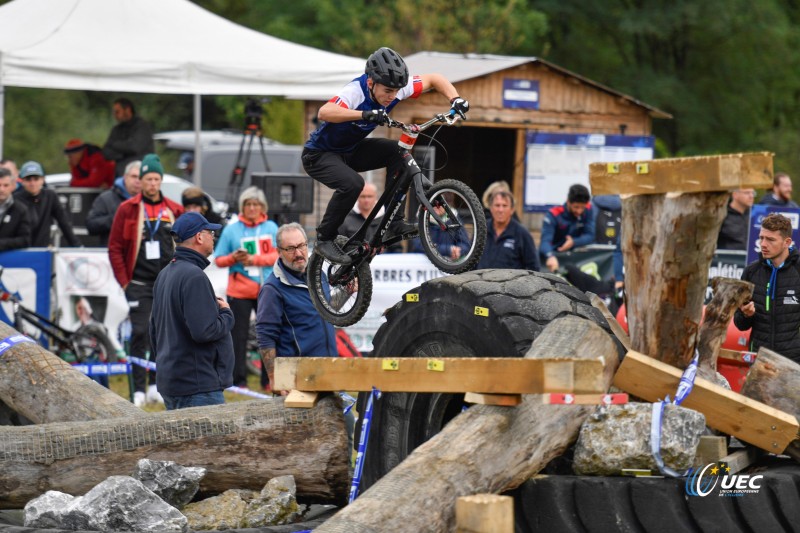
[[733, 233], [774, 312], [130, 139], [15, 229], [190, 327], [104, 207], [43, 206], [356, 217]]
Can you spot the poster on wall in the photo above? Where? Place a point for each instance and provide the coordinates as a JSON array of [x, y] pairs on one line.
[[555, 161]]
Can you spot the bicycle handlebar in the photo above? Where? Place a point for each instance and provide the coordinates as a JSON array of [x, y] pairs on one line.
[[449, 119]]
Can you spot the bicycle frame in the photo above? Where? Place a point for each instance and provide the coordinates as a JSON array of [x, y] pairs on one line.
[[23, 314], [394, 195]]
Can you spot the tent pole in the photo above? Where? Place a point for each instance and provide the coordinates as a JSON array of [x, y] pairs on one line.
[[2, 116], [197, 176]]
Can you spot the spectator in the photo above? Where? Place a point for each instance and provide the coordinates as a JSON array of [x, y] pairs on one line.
[[194, 199], [190, 327], [508, 243], [11, 165], [339, 148], [247, 249], [287, 323], [448, 243], [130, 139], [781, 191], [567, 226], [88, 166], [104, 207], [43, 207], [774, 311], [364, 205], [500, 185], [733, 233], [15, 228], [139, 247]]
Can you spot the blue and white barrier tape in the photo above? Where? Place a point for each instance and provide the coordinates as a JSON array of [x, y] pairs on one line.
[[685, 387], [150, 365], [8, 342], [362, 444], [103, 369]]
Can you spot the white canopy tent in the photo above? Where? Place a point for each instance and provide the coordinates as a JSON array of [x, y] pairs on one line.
[[155, 46]]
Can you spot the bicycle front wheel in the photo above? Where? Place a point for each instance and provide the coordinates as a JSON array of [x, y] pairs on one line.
[[341, 294], [458, 246], [90, 342]]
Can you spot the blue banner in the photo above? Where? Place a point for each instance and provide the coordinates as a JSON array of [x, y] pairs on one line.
[[27, 273], [757, 214]]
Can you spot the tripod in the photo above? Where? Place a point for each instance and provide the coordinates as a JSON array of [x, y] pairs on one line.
[[252, 113]]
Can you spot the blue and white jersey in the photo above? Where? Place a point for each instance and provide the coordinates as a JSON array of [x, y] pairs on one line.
[[344, 136]]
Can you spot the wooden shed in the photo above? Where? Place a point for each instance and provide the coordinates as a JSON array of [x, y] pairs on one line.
[[509, 98]]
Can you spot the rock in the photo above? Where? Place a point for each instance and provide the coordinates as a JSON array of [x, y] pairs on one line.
[[276, 504], [224, 511], [120, 503], [173, 483], [46, 510], [618, 436]]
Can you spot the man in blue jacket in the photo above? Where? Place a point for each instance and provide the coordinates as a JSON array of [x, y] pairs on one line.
[[190, 327], [287, 324], [567, 226]]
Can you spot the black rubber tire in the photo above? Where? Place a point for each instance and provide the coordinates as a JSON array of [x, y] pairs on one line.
[[441, 321], [578, 504], [94, 337], [471, 228], [355, 306]]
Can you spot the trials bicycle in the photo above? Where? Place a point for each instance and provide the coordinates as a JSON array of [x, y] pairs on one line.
[[88, 343], [450, 216]]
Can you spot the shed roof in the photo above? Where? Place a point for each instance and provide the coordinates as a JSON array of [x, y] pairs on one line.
[[460, 67]]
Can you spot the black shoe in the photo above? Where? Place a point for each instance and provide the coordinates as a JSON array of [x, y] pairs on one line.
[[331, 251], [401, 228]]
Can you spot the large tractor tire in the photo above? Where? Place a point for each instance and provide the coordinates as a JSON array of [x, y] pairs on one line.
[[486, 313]]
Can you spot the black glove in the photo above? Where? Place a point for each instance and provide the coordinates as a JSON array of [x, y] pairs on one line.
[[376, 116], [460, 106]]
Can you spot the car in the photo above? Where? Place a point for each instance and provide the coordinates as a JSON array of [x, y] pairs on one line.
[[221, 154]]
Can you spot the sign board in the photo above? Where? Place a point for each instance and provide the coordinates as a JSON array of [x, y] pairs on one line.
[[757, 214], [555, 161], [520, 94]]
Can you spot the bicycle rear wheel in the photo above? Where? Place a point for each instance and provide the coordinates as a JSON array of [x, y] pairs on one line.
[[91, 342], [341, 294], [459, 245]]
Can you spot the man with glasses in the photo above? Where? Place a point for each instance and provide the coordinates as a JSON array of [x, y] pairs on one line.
[[139, 247], [190, 327], [43, 207], [287, 324]]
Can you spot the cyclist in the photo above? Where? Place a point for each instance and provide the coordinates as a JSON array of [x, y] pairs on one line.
[[338, 149]]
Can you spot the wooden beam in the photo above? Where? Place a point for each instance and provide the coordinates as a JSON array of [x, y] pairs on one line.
[[710, 450], [616, 328], [737, 355], [683, 174], [485, 513], [751, 421], [497, 375], [741, 459], [303, 400], [508, 400]]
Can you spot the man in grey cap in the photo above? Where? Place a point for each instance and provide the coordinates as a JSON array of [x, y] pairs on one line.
[[190, 327], [43, 206]]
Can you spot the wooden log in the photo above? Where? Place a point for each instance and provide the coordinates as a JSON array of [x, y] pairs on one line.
[[616, 328], [44, 388], [668, 242], [729, 294], [241, 445], [484, 449], [683, 174], [775, 380]]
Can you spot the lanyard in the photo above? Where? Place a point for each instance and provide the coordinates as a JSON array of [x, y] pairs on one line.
[[152, 229]]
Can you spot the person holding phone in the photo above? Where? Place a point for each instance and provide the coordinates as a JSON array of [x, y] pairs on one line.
[[247, 249]]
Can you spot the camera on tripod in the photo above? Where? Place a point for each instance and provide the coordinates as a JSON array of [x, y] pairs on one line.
[[254, 111]]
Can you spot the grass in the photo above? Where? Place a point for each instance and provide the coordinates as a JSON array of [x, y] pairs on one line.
[[119, 385]]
